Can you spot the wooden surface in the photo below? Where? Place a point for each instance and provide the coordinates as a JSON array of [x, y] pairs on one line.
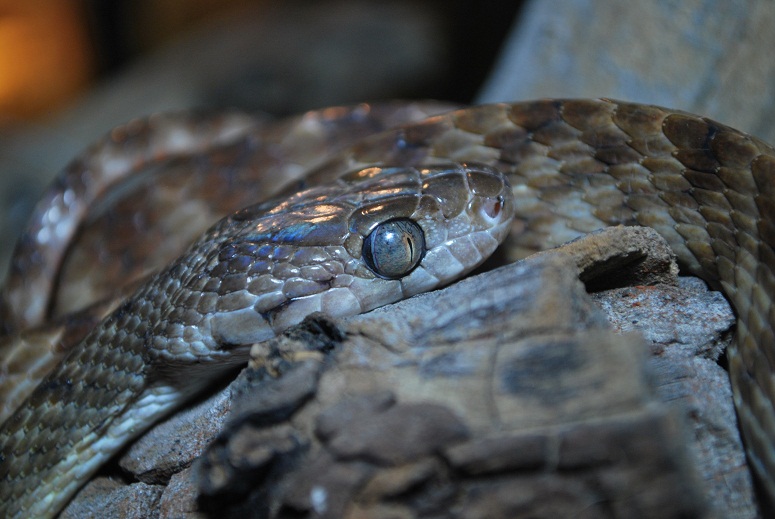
[[520, 403]]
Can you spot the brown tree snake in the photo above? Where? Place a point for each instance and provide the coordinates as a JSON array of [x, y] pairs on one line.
[[573, 166]]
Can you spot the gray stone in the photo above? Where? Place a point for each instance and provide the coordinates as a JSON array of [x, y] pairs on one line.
[[173, 444], [105, 497]]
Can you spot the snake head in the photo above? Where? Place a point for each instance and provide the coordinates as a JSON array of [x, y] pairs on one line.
[[374, 236]]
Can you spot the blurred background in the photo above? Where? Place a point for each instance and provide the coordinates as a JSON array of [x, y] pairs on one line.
[[278, 57], [72, 69]]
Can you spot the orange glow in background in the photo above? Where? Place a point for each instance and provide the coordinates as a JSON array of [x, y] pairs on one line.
[[45, 57]]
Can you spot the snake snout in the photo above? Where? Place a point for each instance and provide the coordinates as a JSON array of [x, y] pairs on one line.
[[492, 203], [469, 216]]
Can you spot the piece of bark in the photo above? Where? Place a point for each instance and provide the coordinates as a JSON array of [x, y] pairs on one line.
[[688, 328], [175, 443], [620, 256], [503, 395], [531, 407], [106, 497]]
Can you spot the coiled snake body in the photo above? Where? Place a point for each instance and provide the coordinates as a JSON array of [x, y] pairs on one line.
[[573, 165]]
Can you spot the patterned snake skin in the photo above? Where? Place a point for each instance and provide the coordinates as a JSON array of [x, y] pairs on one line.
[[574, 166]]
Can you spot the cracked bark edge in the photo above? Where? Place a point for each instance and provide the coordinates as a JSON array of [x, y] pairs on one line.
[[500, 396]]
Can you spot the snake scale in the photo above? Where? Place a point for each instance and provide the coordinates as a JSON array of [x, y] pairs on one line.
[[573, 166]]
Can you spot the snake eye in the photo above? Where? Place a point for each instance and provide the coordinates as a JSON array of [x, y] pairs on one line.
[[394, 248]]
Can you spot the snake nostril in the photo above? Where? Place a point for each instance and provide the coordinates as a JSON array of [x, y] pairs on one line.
[[492, 206]]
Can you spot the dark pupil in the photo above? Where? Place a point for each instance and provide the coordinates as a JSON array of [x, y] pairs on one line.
[[394, 248]]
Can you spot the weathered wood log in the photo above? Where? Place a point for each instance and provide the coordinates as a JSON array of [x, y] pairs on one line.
[[504, 395]]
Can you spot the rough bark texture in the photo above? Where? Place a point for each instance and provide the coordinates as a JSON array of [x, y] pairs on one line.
[[504, 395]]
